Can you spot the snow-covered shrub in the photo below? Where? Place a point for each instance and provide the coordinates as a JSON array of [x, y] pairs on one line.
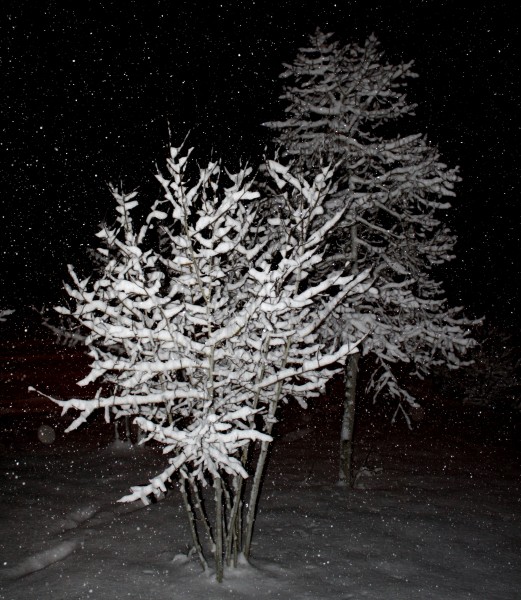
[[201, 342], [343, 106]]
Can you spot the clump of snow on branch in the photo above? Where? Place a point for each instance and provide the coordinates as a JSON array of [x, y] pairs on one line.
[[4, 313]]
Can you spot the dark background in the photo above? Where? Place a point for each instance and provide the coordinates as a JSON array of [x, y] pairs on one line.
[[90, 91]]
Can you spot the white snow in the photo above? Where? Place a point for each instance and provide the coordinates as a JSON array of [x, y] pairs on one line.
[[40, 560], [432, 517]]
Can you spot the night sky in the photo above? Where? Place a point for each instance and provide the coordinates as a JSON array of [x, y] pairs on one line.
[[90, 90]]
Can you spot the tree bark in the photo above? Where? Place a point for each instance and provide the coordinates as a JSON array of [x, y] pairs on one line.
[[234, 530], [254, 496], [348, 420], [219, 534], [191, 523], [261, 463]]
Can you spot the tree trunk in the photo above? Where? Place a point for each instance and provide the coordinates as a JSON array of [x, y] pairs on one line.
[[191, 522], [261, 463], [219, 534], [257, 479], [254, 496], [348, 420], [234, 530]]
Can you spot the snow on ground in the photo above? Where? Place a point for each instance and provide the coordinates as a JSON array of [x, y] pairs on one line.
[[435, 515], [415, 527]]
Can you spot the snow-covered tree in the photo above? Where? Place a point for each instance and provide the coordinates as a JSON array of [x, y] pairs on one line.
[[343, 108], [200, 343], [493, 378]]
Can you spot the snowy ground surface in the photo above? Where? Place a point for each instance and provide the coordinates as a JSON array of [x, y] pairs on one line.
[[435, 513]]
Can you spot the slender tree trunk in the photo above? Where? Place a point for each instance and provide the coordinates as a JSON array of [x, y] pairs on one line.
[[234, 526], [198, 505], [219, 534], [350, 381], [348, 420], [254, 497], [259, 472], [261, 464], [191, 523]]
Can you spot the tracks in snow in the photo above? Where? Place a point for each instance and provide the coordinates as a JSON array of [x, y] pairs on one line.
[[81, 520]]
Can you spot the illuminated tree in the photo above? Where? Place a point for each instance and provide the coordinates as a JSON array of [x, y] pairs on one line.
[[200, 343]]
